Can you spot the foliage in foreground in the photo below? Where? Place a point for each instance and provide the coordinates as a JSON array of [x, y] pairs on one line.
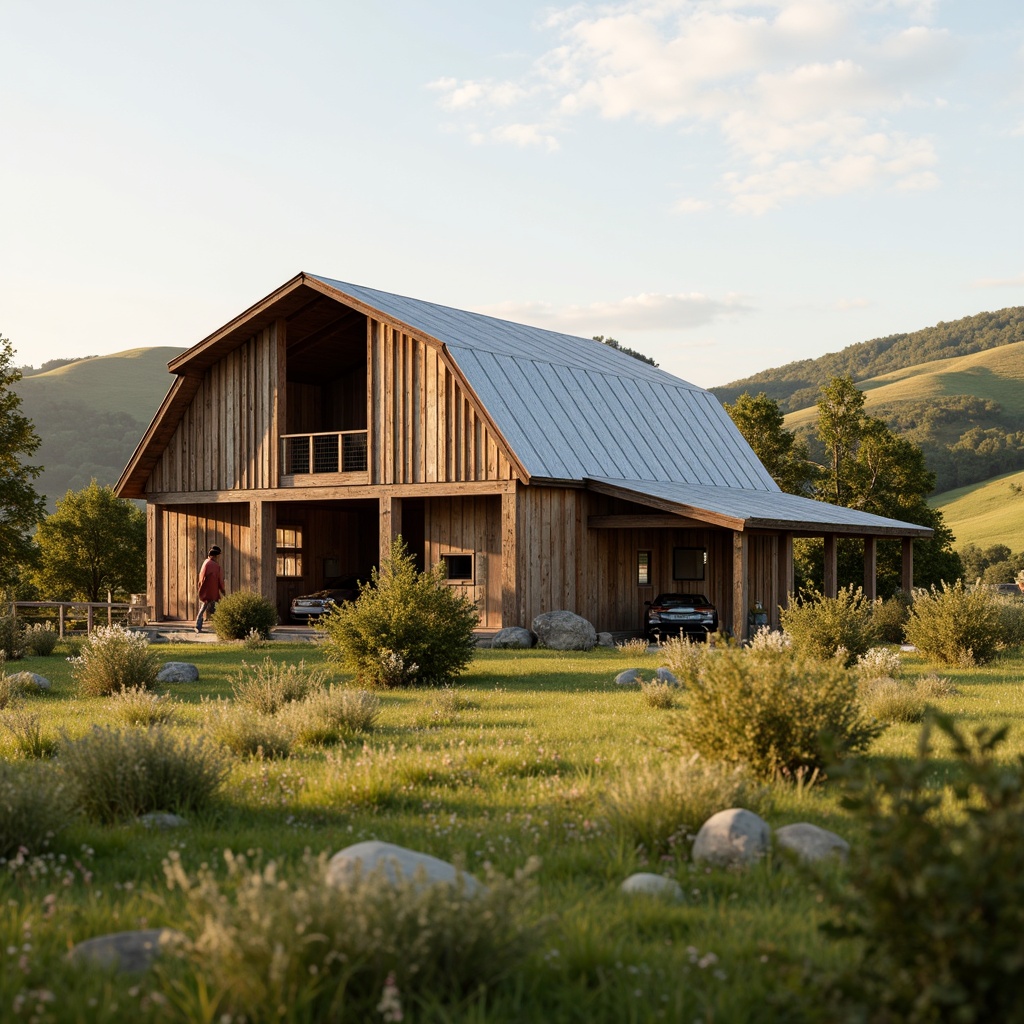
[[12, 637], [935, 892], [779, 713], [34, 807], [265, 942], [822, 626], [118, 774], [242, 613], [268, 686], [406, 627], [114, 659], [955, 625]]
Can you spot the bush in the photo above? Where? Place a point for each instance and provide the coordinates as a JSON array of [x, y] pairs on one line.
[[769, 641], [34, 807], [634, 645], [1011, 621], [11, 688], [935, 892], [821, 627], [405, 628], [267, 687], [778, 714], [12, 637], [363, 944], [113, 659], [879, 663], [325, 716], [891, 701], [137, 706], [29, 739], [246, 732], [241, 613], [890, 618], [684, 657], [41, 638], [658, 694], [121, 774], [954, 625]]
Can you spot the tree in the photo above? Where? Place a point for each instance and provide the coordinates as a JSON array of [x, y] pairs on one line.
[[93, 542], [20, 505], [784, 456], [840, 425], [612, 343]]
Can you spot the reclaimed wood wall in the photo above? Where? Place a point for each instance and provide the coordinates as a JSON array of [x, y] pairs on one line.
[[226, 439], [424, 428]]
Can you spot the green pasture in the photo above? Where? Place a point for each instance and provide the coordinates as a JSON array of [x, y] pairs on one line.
[[985, 514], [518, 767]]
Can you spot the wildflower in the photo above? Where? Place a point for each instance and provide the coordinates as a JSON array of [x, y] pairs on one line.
[[390, 1005]]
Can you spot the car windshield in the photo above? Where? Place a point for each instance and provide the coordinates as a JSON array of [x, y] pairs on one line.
[[675, 600]]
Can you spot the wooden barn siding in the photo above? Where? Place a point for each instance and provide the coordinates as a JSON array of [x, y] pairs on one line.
[[186, 534], [423, 426], [470, 525], [226, 438]]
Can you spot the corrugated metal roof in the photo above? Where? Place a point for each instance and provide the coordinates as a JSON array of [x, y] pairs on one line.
[[572, 408]]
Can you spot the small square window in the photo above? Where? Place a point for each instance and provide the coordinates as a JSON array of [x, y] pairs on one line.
[[643, 568], [689, 563], [289, 551], [459, 567]]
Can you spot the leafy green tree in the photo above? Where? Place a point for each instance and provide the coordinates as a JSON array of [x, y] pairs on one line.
[[612, 343], [94, 542], [840, 428], [760, 421], [20, 506]]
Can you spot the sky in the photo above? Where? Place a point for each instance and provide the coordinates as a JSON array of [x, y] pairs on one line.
[[725, 186]]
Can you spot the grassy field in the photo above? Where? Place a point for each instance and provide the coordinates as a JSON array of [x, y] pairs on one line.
[[987, 513], [520, 763]]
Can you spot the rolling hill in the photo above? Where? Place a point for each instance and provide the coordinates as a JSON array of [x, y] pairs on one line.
[[987, 513]]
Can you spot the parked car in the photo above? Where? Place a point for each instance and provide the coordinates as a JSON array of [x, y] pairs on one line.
[[309, 607], [671, 614]]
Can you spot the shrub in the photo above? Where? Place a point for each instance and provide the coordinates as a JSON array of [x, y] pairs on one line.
[[933, 685], [822, 626], [684, 657], [777, 714], [1011, 621], [41, 638], [34, 807], [635, 645], [935, 893], [327, 715], [659, 806], [879, 663], [360, 943], [254, 641], [246, 732], [769, 641], [11, 688], [267, 687], [241, 613], [891, 701], [890, 618], [405, 628], [12, 637], [113, 659], [954, 625], [658, 694], [137, 706], [124, 773], [29, 739]]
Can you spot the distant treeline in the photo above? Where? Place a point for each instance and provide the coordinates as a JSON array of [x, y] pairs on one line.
[[50, 364]]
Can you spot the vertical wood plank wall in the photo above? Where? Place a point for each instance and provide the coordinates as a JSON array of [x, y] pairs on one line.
[[226, 439], [423, 427]]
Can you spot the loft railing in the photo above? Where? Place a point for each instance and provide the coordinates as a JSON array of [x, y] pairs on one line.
[[341, 451]]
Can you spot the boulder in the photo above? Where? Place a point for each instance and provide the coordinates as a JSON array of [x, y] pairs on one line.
[[161, 819], [564, 631], [177, 672], [628, 677], [666, 675], [605, 640], [28, 680], [809, 843], [731, 839], [646, 884], [512, 636], [125, 951], [397, 863]]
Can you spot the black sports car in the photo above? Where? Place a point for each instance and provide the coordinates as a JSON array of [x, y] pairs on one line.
[[308, 607], [672, 614]]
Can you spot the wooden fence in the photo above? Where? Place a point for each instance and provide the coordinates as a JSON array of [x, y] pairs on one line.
[[134, 612]]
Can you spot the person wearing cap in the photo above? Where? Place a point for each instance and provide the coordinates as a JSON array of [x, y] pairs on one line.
[[211, 586]]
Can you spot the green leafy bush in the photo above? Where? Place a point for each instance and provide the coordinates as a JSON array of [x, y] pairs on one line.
[[1011, 621], [120, 774], [270, 939], [113, 659], [34, 807], [267, 687], [247, 732], [890, 618], [41, 638], [954, 625], [405, 628], [12, 637], [241, 613], [821, 627], [935, 893], [777, 713]]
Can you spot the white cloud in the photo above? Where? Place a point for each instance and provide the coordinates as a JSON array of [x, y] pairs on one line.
[[807, 96], [690, 205], [843, 305], [999, 282]]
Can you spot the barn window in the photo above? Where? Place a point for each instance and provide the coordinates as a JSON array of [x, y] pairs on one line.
[[289, 551], [459, 567], [689, 563], [643, 568]]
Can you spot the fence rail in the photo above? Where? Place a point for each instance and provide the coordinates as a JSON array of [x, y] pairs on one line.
[[136, 613], [342, 451]]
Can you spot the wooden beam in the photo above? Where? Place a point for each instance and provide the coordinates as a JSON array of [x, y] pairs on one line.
[[871, 568], [154, 560], [907, 574], [334, 492], [263, 549], [511, 605], [784, 576], [740, 584], [641, 522], [831, 574], [390, 525]]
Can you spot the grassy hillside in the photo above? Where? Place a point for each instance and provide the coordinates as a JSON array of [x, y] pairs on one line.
[[91, 414], [985, 514]]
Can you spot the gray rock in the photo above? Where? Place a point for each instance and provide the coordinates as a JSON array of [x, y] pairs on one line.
[[564, 631], [646, 884], [161, 819], [397, 863], [605, 640], [628, 677], [809, 843], [665, 675], [125, 951], [177, 672], [731, 839], [512, 636], [27, 680]]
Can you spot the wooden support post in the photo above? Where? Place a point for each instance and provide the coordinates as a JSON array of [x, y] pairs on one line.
[[154, 560], [831, 585], [390, 524], [785, 577], [511, 606], [263, 549], [907, 574], [871, 568], [90, 619], [740, 584], [60, 622], [110, 609]]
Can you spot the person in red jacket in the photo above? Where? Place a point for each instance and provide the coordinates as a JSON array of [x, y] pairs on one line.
[[211, 586]]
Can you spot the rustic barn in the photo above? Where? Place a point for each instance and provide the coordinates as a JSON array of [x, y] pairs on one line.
[[326, 419]]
